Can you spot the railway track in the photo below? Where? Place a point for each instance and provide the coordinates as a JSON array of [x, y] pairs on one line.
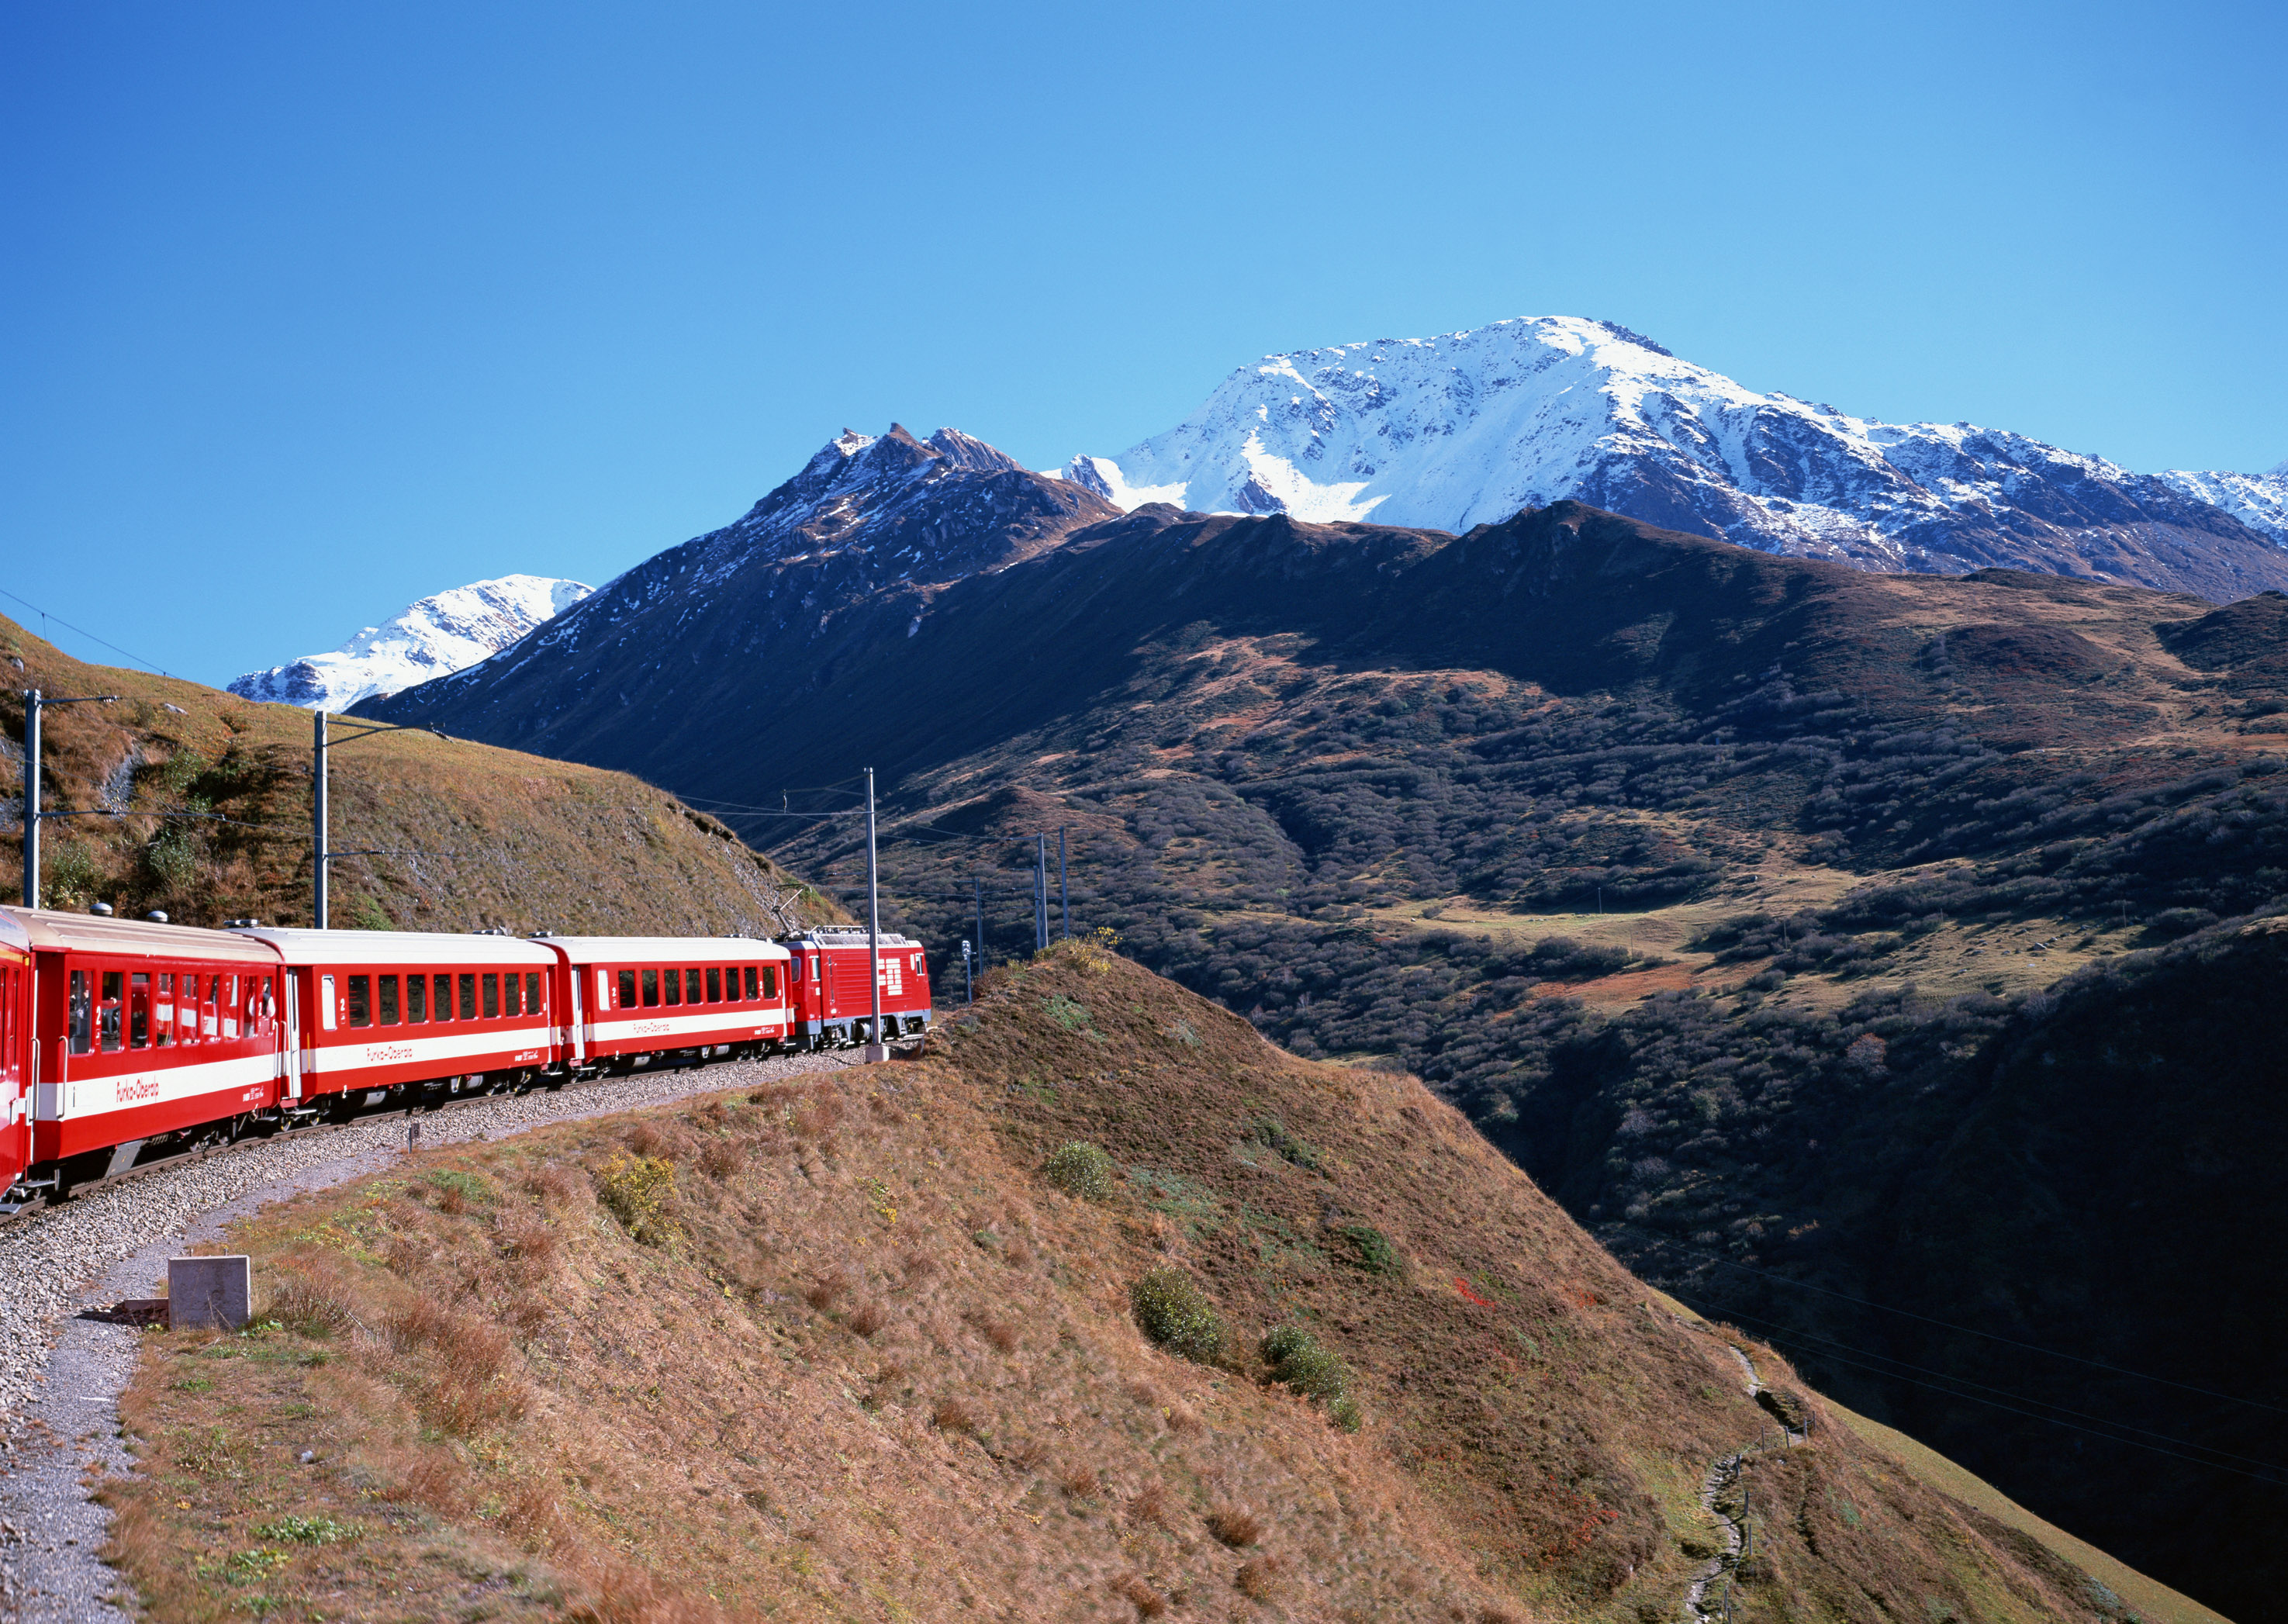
[[413, 1113]]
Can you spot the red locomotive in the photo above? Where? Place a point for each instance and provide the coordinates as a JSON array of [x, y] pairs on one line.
[[124, 1042], [831, 1003]]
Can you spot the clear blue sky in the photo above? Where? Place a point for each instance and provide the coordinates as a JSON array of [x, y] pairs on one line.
[[312, 309]]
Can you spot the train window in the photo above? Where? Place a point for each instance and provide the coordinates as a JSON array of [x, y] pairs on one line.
[[651, 988], [603, 989], [139, 1010], [417, 1000], [492, 996], [107, 1017], [82, 1011], [515, 1004], [443, 998], [770, 981], [209, 1020], [228, 999], [627, 989], [715, 986], [388, 1000], [695, 987], [532, 991], [163, 1013], [326, 1003], [468, 996], [361, 1001], [674, 980]]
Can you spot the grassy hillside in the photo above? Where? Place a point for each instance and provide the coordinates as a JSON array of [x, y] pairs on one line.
[[471, 835], [875, 1345]]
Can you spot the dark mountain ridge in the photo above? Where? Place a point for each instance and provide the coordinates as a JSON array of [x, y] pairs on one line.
[[1849, 828]]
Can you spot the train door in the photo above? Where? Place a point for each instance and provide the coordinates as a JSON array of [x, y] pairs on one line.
[[293, 1067], [15, 1043], [576, 1048]]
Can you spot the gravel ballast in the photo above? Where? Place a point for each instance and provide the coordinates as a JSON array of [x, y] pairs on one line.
[[61, 1377]]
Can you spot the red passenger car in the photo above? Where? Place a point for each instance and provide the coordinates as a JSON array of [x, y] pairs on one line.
[[831, 1003], [144, 1037], [377, 1013], [631, 997]]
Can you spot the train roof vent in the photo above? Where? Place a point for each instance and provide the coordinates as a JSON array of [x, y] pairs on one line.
[[157, 915], [101, 910]]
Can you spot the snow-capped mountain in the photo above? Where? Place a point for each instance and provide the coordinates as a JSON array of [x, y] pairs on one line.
[[1469, 427], [441, 634]]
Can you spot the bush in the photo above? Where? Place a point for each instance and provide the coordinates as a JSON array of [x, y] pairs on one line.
[[1081, 1170], [1367, 1247], [1300, 1361], [636, 1190], [1173, 1312], [1271, 1131]]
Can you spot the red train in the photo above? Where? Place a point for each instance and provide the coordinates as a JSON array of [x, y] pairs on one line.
[[124, 1042]]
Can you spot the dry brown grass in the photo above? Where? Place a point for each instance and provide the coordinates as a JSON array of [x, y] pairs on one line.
[[1258, 1579], [828, 1289], [1138, 1593], [627, 1438], [1235, 1527]]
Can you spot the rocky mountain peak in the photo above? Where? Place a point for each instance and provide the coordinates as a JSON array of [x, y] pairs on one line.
[[1470, 427]]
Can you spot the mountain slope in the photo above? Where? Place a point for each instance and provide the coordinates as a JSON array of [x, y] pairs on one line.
[[212, 798], [853, 1347], [1705, 818], [436, 635], [1470, 427]]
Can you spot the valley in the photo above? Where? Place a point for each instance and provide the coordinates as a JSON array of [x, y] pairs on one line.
[[1856, 838]]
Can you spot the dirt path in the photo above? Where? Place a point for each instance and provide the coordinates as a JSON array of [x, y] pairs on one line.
[[1726, 1502]]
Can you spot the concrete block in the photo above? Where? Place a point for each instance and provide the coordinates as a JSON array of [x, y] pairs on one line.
[[211, 1292]]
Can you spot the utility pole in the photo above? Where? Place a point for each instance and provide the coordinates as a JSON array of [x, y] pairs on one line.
[[969, 973], [876, 1048], [319, 856], [1040, 893], [33, 705], [981, 926], [1064, 897]]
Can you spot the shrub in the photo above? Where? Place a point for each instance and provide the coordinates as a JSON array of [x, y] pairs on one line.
[[828, 1290], [636, 1190], [1271, 1131], [1173, 1312], [867, 1319], [1300, 1361], [1344, 1414], [954, 1416], [307, 1531], [1367, 1247], [1081, 1170]]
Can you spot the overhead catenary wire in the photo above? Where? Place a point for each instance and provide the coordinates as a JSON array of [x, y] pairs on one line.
[[90, 636]]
